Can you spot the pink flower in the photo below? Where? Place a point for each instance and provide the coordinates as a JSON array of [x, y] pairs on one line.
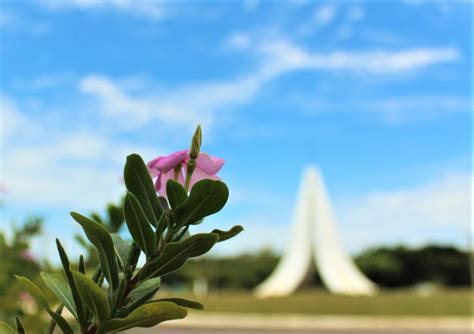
[[163, 168], [25, 297], [26, 255]]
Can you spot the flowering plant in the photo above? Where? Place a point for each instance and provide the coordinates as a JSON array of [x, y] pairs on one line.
[[119, 295]]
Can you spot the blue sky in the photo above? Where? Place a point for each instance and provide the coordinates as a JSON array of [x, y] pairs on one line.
[[378, 95]]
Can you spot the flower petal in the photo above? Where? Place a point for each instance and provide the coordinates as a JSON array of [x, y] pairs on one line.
[[199, 175], [154, 172], [209, 164], [165, 163], [162, 180]]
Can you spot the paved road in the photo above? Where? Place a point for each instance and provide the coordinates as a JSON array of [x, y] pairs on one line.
[[168, 330]]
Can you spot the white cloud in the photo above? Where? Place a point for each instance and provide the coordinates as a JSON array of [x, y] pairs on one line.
[[442, 7], [251, 5], [260, 232], [54, 184], [439, 210], [403, 109], [201, 102], [188, 105], [391, 110], [72, 170], [324, 14], [10, 21], [11, 119], [377, 62], [237, 41], [283, 55], [152, 10], [356, 13], [436, 211], [62, 167], [43, 82]]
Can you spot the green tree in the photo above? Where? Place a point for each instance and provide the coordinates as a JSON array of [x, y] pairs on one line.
[[17, 258]]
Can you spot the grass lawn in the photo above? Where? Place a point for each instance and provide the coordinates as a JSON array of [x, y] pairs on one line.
[[446, 302]]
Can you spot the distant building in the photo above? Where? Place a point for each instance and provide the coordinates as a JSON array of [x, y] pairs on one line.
[[315, 243]]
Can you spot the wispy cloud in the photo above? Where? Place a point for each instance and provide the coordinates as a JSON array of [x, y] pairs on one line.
[[322, 16], [151, 10], [261, 231], [251, 5], [285, 56], [403, 109], [356, 13], [44, 82], [397, 110], [65, 166], [187, 105], [393, 216], [10, 21], [200, 102], [10, 117], [281, 54]]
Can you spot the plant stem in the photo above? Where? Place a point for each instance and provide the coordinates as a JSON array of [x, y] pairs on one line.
[[52, 323], [177, 170], [91, 330]]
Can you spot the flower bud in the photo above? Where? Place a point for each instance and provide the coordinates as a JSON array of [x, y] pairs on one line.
[[196, 143]]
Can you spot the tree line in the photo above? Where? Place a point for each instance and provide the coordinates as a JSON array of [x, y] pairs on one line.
[[389, 267]]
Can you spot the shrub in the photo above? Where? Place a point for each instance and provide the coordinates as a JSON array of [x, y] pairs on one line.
[[119, 295]]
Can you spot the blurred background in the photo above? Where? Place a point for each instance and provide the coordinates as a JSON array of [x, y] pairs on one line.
[[378, 95]]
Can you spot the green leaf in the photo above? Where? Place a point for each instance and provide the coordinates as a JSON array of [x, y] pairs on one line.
[[164, 205], [116, 218], [6, 328], [117, 295], [19, 326], [176, 193], [82, 241], [206, 197], [100, 238], [121, 246], [94, 297], [224, 235], [81, 313], [138, 225], [145, 288], [175, 254], [132, 257], [98, 219], [52, 323], [162, 225], [145, 316], [139, 183], [140, 295], [183, 234], [40, 298], [61, 289], [181, 302]]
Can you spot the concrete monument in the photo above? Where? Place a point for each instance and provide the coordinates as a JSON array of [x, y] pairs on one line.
[[315, 244]]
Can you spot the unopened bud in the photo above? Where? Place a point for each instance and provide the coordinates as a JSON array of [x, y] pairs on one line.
[[196, 143]]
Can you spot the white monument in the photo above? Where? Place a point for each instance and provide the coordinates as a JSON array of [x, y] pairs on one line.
[[315, 243]]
